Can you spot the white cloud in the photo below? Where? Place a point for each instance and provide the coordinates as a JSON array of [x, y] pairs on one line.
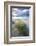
[[25, 10], [17, 12]]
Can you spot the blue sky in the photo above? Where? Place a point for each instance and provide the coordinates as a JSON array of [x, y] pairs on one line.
[[16, 12]]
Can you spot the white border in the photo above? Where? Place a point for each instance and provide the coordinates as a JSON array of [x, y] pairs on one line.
[[30, 37]]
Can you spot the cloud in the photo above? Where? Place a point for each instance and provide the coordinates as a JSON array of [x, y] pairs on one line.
[[20, 13]]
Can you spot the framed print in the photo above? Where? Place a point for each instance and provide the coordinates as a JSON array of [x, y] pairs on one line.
[[19, 25]]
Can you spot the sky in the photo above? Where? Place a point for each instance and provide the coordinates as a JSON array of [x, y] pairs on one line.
[[20, 12]]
